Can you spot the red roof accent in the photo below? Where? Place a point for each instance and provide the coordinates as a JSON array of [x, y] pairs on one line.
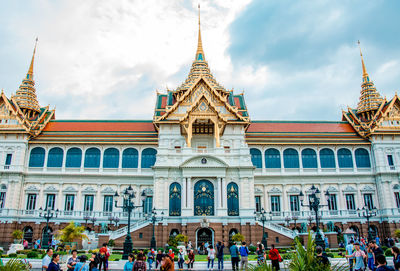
[[163, 101], [54, 126], [311, 127], [237, 102]]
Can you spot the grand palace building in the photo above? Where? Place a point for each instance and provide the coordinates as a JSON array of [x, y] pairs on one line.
[[203, 162]]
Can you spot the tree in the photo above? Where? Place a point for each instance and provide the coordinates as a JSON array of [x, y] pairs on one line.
[[17, 234], [175, 240], [397, 233], [238, 237], [14, 265], [72, 232]]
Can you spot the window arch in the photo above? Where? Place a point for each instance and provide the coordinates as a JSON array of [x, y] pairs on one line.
[[74, 158], [362, 158], [92, 158], [345, 159], [233, 199], [309, 158], [327, 158], [130, 158], [291, 158], [55, 157], [175, 199], [148, 157], [256, 157], [111, 158], [36, 158], [272, 158]]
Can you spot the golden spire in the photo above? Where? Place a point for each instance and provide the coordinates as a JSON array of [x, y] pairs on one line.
[[30, 71], [365, 74], [199, 52]]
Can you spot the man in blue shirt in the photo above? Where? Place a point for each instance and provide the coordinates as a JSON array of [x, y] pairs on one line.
[[234, 256], [349, 251], [47, 259], [244, 253], [129, 264], [81, 265]]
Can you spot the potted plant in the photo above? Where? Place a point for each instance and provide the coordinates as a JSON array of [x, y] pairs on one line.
[[18, 235]]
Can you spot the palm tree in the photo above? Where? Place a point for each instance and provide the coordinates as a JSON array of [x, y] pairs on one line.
[[72, 232]]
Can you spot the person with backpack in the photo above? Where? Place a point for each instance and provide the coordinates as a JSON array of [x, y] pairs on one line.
[[396, 257], [234, 251], [104, 254], [275, 257], [244, 255], [81, 264], [129, 264], [260, 254], [220, 255], [139, 264]]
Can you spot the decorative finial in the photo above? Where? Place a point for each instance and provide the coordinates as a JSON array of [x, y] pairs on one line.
[[362, 61], [30, 71], [199, 52]]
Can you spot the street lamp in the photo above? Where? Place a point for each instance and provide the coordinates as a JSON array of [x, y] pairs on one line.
[[288, 219], [48, 214], [114, 220], [314, 204], [93, 220], [128, 205], [295, 218], [367, 213], [153, 218], [262, 216]]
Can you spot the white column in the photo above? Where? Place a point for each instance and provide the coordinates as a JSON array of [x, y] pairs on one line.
[[190, 192], [98, 200], [265, 193], [353, 156], [79, 200], [219, 192], [342, 200], [224, 196], [184, 191], [284, 199], [59, 204]]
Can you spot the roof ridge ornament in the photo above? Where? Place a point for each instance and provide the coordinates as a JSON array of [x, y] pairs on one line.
[[199, 53]]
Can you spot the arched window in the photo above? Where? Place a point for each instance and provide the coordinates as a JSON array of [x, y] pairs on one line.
[[233, 199], [203, 198], [148, 157], [362, 158], [111, 158], [55, 157], [130, 158], [290, 158], [175, 199], [36, 158], [92, 158], [345, 159], [327, 158], [272, 158], [256, 157], [74, 158], [309, 158]]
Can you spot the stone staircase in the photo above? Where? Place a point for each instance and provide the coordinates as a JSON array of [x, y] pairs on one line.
[[124, 230], [279, 229]]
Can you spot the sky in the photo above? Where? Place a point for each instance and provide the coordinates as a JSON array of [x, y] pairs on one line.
[[106, 59]]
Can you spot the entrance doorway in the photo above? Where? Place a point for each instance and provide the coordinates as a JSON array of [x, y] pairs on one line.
[[203, 198], [203, 236]]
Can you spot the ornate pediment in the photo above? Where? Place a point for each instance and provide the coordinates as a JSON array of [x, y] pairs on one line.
[[89, 189], [349, 189], [32, 188], [70, 189], [293, 190], [367, 188], [275, 190], [332, 189], [203, 161], [50, 189], [108, 190]]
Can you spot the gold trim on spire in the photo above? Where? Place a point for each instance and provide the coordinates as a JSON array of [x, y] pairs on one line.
[[30, 71], [199, 53], [362, 62]]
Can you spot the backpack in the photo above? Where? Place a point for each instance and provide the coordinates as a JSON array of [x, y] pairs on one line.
[[139, 266]]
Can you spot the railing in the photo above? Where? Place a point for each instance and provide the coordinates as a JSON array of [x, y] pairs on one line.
[[280, 229], [123, 231]]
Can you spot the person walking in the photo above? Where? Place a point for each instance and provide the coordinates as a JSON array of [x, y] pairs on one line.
[[150, 257], [54, 266], [275, 257], [220, 255], [244, 256], [139, 264], [72, 261], [396, 257], [129, 264], [47, 259], [371, 258], [104, 254], [260, 254], [181, 259], [158, 258], [210, 257], [359, 255], [234, 251], [191, 259], [349, 251]]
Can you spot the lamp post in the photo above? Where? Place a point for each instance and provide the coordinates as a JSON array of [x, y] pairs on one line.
[[367, 213], [47, 214], [288, 219], [295, 218], [128, 205], [153, 218], [93, 220], [315, 205], [262, 216]]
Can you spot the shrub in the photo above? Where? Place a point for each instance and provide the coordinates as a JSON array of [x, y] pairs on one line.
[[111, 243], [327, 250], [238, 237], [342, 249], [32, 255], [330, 255], [17, 234], [252, 249], [175, 258], [286, 256], [397, 233], [12, 255], [388, 252]]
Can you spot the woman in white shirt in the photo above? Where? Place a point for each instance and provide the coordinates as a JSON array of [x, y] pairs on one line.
[[211, 257]]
